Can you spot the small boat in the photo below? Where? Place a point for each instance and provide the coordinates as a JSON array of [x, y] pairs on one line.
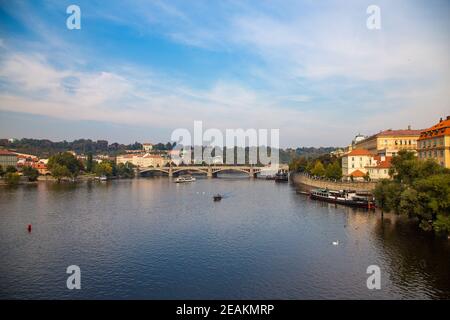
[[282, 176], [182, 179], [102, 178], [346, 197], [217, 197]]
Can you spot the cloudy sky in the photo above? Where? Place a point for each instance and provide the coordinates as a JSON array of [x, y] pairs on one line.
[[137, 70]]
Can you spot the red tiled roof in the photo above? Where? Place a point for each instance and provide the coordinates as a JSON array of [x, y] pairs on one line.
[[357, 174], [440, 129], [7, 153], [399, 133], [359, 152]]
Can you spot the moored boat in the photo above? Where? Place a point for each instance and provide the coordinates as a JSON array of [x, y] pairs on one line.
[[345, 197], [282, 176]]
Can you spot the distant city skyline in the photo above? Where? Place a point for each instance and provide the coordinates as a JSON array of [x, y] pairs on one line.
[[138, 71]]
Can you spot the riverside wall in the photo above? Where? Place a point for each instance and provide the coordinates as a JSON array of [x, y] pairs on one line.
[[309, 182]]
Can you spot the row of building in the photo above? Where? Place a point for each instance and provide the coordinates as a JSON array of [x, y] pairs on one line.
[[21, 160], [370, 157]]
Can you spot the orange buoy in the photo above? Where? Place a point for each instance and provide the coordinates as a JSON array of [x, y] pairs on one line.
[[29, 228]]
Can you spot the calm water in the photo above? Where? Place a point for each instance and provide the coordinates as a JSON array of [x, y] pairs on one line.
[[151, 238]]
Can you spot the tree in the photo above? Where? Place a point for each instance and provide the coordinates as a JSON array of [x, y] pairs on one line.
[[103, 169], [12, 178], [125, 170], [419, 189], [318, 169], [89, 162], [334, 171], [60, 171], [11, 169], [31, 173], [65, 159]]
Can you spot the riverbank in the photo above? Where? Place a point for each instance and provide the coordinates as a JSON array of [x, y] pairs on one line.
[[309, 182]]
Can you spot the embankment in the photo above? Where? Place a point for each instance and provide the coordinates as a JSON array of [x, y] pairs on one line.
[[306, 181]]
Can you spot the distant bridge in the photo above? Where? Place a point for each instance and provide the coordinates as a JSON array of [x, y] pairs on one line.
[[210, 171]]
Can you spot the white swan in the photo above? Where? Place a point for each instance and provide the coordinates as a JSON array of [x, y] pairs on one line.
[[335, 243]]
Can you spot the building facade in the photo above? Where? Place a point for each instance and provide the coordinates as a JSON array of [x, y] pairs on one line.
[[8, 158], [147, 147], [434, 143], [142, 161], [359, 163], [389, 142]]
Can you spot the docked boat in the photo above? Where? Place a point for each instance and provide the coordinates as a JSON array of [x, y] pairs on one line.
[[217, 197], [282, 176], [345, 197], [182, 179]]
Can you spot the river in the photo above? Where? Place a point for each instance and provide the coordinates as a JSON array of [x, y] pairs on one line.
[[150, 238]]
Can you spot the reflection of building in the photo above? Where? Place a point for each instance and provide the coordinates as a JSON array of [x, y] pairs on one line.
[[359, 162], [7, 158], [389, 142], [146, 160], [434, 143]]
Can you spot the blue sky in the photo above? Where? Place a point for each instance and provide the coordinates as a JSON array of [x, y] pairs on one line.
[[137, 70]]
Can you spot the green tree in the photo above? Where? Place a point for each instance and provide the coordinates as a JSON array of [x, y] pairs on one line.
[[65, 159], [60, 171], [125, 170], [90, 162], [318, 169], [103, 169], [419, 189], [11, 169], [31, 173], [12, 178], [333, 171]]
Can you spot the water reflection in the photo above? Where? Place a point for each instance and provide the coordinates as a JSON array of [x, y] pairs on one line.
[[152, 238]]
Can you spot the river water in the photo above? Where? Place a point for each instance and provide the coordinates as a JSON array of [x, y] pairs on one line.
[[150, 238]]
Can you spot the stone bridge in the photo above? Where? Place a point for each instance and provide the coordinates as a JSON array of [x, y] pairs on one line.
[[210, 171]]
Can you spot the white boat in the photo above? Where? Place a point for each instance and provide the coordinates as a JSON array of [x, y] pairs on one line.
[[182, 179]]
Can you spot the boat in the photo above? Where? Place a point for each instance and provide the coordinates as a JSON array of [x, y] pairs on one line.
[[217, 197], [182, 179], [282, 176], [345, 197], [102, 178]]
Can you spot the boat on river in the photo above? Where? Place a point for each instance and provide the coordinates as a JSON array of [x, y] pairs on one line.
[[217, 197], [345, 197], [183, 179], [282, 176]]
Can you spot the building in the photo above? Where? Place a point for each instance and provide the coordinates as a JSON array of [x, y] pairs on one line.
[[359, 162], [356, 160], [379, 168], [388, 142], [142, 161], [434, 143], [147, 147], [7, 158]]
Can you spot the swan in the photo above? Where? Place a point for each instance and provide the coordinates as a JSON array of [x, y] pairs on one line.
[[335, 243]]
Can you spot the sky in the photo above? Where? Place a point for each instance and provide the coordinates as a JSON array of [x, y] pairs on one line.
[[137, 70]]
